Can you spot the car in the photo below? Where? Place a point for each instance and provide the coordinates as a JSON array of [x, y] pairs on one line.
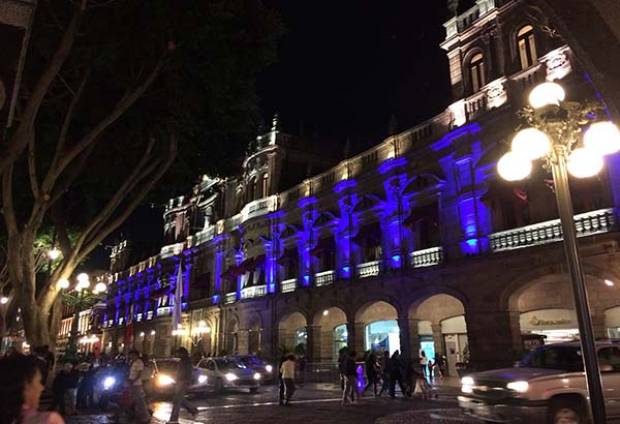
[[259, 365], [547, 386], [164, 377], [109, 381], [230, 373]]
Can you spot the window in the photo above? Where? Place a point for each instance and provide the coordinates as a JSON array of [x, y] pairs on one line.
[[610, 356], [476, 69], [526, 44], [265, 185], [562, 358]]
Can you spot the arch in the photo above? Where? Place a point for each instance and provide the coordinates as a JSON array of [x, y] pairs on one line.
[[331, 333], [526, 46], [292, 332], [474, 56], [423, 295], [378, 307]]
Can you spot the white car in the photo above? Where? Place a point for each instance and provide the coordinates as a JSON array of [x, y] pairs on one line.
[[547, 386], [230, 373], [163, 381]]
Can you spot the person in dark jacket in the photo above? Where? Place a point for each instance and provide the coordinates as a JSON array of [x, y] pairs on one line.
[[395, 372], [184, 380], [371, 373]]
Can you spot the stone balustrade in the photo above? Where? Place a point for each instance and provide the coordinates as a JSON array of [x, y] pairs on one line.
[[254, 291], [288, 286], [369, 269], [230, 297], [324, 278], [427, 257], [586, 224]]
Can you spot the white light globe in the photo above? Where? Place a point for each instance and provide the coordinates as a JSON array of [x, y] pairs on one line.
[[53, 253], [547, 93], [100, 287], [514, 167], [4, 300], [63, 283], [602, 138], [584, 163], [531, 143]]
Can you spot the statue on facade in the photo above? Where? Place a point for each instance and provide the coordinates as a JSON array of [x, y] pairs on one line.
[[453, 7]]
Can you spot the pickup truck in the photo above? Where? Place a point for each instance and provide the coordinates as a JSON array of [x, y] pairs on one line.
[[547, 386]]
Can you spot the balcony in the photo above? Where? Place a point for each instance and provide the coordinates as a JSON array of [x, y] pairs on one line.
[[587, 224], [369, 269], [427, 257], [230, 298], [254, 291], [324, 278], [288, 286]]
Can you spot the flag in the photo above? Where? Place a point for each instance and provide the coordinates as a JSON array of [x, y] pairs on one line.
[[178, 298]]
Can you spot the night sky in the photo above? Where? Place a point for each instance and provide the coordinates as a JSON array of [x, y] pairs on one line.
[[345, 68]]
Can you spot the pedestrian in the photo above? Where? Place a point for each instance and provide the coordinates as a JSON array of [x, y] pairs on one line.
[[71, 382], [288, 377], [350, 379], [395, 372], [183, 381], [136, 389], [20, 392], [86, 389], [371, 373], [281, 381], [385, 373], [424, 363]]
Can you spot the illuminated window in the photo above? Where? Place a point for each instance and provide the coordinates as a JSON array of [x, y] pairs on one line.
[[476, 69], [265, 185], [526, 44]]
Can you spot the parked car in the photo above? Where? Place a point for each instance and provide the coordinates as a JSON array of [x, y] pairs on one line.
[[230, 373], [259, 365], [547, 386], [165, 374]]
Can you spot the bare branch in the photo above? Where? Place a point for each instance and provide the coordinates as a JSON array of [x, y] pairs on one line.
[[18, 142], [8, 208], [32, 167]]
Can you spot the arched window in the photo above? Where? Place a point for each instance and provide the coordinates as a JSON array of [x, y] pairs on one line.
[[526, 44], [476, 70]]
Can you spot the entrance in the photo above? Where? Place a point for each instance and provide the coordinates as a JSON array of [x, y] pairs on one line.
[[383, 336]]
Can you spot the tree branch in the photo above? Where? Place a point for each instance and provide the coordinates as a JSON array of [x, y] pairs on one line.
[[8, 208], [32, 167], [18, 142]]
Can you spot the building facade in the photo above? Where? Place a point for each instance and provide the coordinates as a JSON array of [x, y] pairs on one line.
[[414, 244]]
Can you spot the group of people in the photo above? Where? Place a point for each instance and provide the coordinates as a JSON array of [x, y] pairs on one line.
[[384, 373]]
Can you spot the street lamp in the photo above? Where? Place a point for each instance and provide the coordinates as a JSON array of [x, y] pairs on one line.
[[54, 253], [553, 135], [4, 300]]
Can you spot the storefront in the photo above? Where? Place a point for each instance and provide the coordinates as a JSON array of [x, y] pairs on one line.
[[555, 325], [382, 336]]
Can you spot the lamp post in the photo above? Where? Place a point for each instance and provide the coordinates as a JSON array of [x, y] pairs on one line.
[[555, 135]]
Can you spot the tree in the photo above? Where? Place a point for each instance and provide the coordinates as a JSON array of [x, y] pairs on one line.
[[111, 92]]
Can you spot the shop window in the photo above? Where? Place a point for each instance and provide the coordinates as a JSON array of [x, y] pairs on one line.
[[476, 71], [526, 44]]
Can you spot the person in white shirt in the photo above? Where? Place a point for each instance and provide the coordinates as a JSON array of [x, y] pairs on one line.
[[140, 408], [287, 369]]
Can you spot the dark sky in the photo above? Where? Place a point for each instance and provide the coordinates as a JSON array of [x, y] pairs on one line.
[[346, 66]]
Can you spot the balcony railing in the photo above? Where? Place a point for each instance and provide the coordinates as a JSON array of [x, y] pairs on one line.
[[587, 224], [288, 286], [254, 291], [369, 269], [427, 257], [324, 278], [230, 297]]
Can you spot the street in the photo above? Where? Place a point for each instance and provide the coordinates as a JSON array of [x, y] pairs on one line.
[[314, 403]]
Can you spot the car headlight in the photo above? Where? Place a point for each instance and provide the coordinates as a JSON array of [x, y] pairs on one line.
[[518, 386], [467, 385], [202, 379], [108, 382], [231, 377], [257, 376], [268, 368], [164, 380]]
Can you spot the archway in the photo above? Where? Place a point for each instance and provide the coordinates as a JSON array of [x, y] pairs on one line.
[[441, 330], [231, 342], [292, 333], [380, 327], [332, 332]]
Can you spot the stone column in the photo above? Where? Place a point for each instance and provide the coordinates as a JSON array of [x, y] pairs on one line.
[[243, 339], [414, 337], [355, 336], [313, 351], [438, 338], [494, 338], [405, 338]]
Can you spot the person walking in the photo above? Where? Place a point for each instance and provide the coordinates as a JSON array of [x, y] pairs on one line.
[[395, 371], [350, 379], [20, 392], [424, 364], [281, 381], [184, 380], [288, 377], [385, 373], [140, 409], [371, 373]]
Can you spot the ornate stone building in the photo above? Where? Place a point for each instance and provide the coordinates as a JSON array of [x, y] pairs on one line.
[[413, 244]]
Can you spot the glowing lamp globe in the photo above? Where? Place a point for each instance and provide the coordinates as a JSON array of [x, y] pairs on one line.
[[63, 283], [602, 138], [531, 143], [545, 94], [584, 163], [53, 254], [4, 300], [100, 287], [514, 167]]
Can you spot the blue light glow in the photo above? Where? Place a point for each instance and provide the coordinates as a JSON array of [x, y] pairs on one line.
[[306, 280], [215, 299], [343, 185], [306, 201], [390, 164]]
